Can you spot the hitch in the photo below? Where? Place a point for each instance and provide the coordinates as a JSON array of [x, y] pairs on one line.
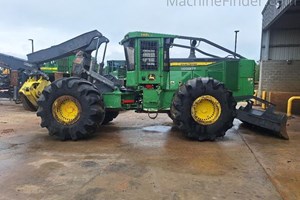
[[267, 119]]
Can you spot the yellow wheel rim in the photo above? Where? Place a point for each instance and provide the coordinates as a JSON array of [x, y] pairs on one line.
[[206, 110], [66, 110]]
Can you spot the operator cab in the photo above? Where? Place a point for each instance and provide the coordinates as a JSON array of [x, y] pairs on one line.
[[147, 59], [149, 64]]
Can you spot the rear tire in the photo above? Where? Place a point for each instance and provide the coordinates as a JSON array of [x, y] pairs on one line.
[[187, 94], [85, 99]]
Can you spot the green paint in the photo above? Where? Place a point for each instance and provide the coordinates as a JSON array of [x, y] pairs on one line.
[[153, 80]]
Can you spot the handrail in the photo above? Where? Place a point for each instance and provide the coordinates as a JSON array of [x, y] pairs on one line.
[[290, 104]]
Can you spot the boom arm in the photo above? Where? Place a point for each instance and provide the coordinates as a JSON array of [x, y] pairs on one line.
[[86, 42]]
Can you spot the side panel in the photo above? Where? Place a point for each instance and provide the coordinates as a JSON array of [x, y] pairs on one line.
[[232, 75], [238, 76], [131, 79], [246, 79], [226, 72]]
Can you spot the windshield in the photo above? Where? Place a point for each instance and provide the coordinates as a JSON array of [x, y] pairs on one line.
[[129, 53]]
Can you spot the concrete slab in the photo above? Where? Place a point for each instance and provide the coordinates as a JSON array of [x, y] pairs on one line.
[[138, 158]]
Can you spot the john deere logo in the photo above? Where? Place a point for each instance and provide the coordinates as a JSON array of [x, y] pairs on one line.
[[151, 77]]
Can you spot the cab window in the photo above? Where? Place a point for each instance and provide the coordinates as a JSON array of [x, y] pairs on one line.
[[149, 55], [129, 54]]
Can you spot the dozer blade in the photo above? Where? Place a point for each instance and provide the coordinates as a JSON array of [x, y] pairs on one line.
[[268, 119]]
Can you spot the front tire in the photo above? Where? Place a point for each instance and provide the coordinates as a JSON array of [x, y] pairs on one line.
[[203, 109], [71, 108]]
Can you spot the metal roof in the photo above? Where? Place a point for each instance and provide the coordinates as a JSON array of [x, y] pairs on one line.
[[13, 63], [274, 9]]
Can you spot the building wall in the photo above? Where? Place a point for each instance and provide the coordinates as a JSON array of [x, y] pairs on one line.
[[281, 80], [284, 45], [280, 54], [280, 76]]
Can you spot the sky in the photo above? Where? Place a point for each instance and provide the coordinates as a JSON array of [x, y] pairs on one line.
[[50, 22]]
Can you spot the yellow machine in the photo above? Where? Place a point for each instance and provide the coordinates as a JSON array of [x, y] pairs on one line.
[[31, 91], [22, 80]]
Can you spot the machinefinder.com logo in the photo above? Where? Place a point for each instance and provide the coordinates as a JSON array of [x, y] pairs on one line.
[[212, 3]]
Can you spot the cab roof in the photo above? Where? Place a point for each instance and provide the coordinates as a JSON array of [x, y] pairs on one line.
[[139, 34]]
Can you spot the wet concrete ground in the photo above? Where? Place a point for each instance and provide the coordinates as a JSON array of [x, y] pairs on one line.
[[138, 158]]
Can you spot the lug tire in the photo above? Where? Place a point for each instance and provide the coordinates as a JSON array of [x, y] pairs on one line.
[[91, 114], [182, 103]]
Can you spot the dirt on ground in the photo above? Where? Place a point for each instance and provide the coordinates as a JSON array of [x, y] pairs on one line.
[[135, 157]]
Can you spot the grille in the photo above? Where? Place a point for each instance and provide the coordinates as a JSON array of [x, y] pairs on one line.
[[149, 55]]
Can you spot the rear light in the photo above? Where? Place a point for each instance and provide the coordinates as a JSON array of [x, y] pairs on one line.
[[128, 101], [149, 86]]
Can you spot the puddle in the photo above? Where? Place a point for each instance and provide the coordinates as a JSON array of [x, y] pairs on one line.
[[87, 164], [4, 146], [158, 129]]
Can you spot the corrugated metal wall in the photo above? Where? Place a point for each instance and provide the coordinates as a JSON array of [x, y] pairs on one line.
[[284, 45], [281, 31], [265, 40]]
